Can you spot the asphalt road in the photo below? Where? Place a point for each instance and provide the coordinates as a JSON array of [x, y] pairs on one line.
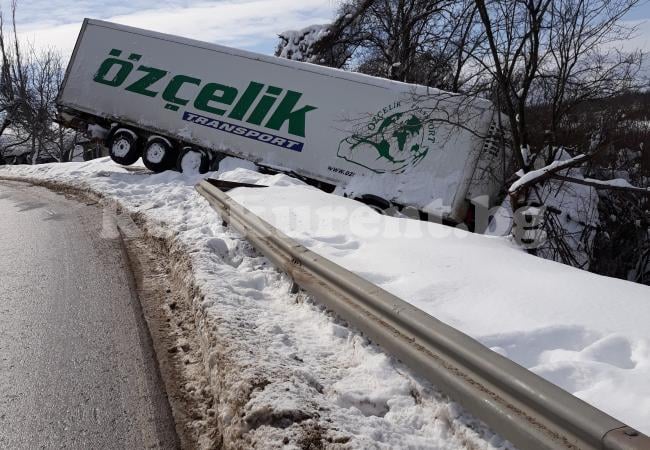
[[77, 369]]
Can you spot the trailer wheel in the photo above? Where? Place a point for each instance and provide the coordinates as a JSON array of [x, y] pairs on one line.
[[193, 160], [158, 154], [377, 203], [215, 159], [123, 147]]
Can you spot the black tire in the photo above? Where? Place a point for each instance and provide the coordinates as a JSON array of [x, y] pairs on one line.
[[123, 147], [193, 160], [377, 203], [158, 154], [215, 159]]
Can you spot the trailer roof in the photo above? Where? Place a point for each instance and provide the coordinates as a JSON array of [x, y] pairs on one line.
[[297, 65]]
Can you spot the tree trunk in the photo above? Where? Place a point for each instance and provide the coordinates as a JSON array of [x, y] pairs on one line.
[[34, 151]]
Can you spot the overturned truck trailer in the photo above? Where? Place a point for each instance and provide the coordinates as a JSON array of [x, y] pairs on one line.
[[183, 104]]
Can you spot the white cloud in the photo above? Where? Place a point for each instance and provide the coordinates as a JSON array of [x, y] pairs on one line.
[[250, 24]]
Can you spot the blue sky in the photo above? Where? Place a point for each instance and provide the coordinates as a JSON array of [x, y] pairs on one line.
[[248, 24], [641, 11]]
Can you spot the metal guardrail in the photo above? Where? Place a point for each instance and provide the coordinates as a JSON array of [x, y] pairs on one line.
[[524, 408]]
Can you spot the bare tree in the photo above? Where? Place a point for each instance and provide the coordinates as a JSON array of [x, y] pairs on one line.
[[45, 76], [418, 41], [401, 32], [29, 84], [555, 55], [462, 47], [514, 31], [552, 66], [330, 45], [582, 61], [13, 89]]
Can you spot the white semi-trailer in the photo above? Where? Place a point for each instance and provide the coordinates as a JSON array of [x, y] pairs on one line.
[[180, 104]]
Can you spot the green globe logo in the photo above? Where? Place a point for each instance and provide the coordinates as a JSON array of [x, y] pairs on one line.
[[391, 144]]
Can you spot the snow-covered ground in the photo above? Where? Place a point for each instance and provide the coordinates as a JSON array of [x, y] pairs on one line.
[[302, 374], [587, 333]]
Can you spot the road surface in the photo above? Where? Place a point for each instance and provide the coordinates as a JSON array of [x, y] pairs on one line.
[[77, 369]]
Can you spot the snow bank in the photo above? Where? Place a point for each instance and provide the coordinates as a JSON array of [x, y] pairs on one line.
[[300, 376], [587, 333]]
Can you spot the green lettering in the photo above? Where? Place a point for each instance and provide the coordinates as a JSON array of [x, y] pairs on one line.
[[151, 77], [284, 112], [123, 72], [246, 100], [170, 93], [264, 105], [207, 95]]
